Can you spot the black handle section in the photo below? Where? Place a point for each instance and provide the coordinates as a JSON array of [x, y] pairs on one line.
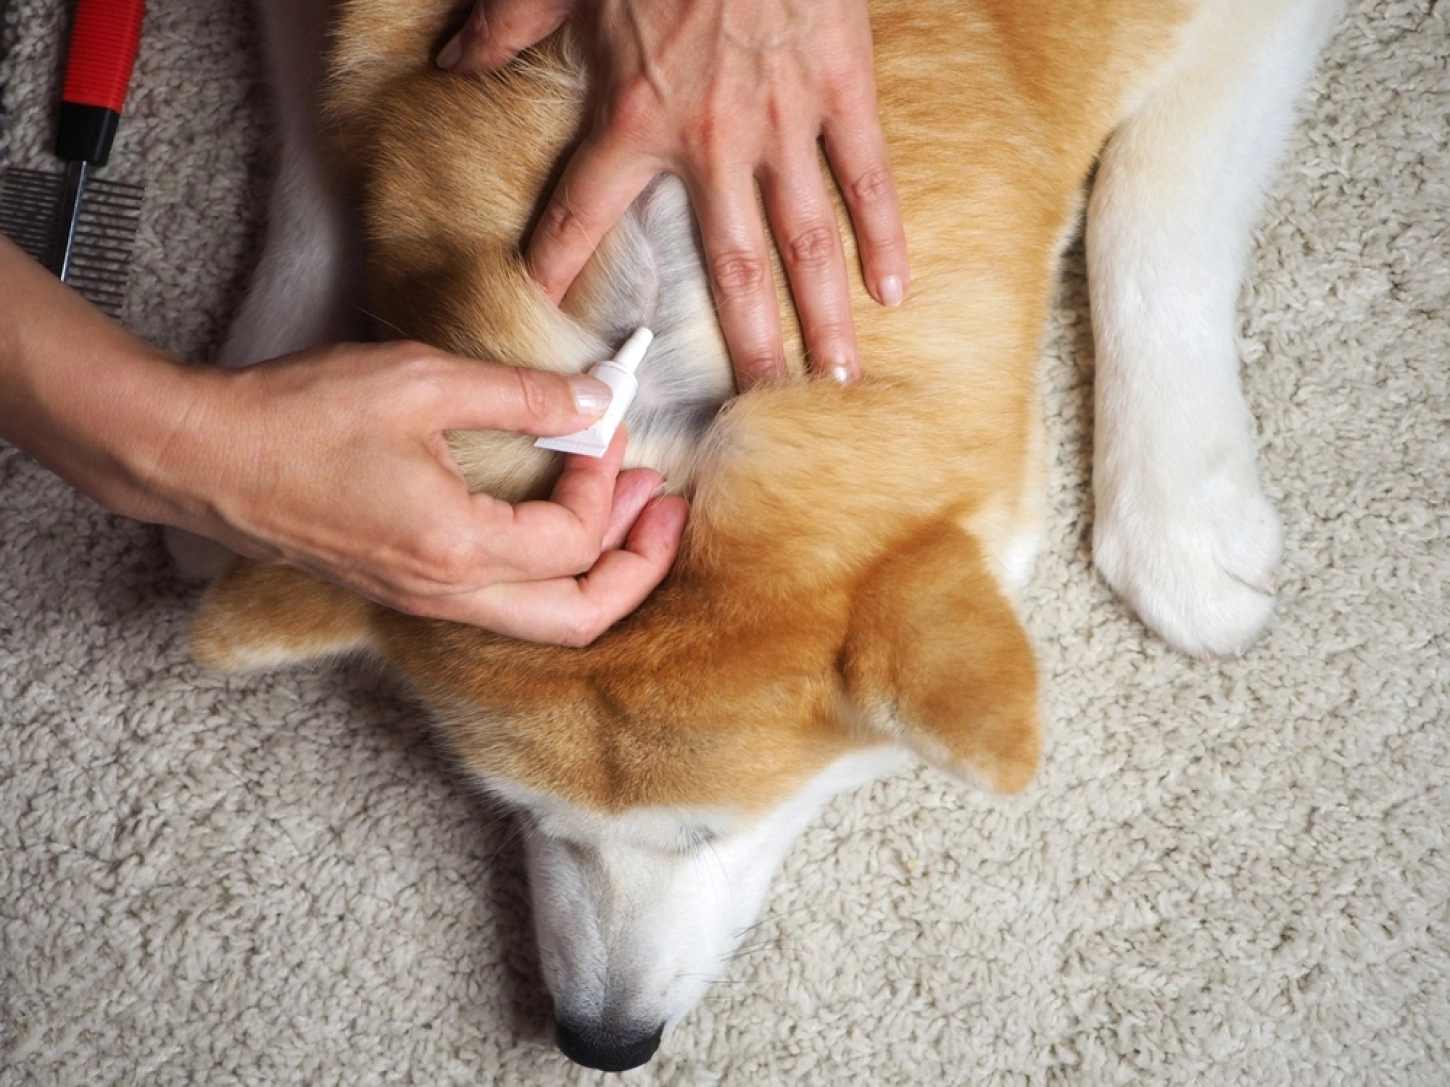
[[86, 133]]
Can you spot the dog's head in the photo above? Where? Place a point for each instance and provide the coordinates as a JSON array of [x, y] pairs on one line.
[[661, 774], [638, 912]]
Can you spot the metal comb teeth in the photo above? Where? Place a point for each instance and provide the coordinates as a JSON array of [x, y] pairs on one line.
[[110, 215]]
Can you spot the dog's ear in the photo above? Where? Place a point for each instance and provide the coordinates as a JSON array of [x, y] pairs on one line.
[[937, 658], [257, 615]]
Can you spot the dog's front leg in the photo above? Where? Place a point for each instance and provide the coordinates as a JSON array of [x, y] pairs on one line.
[[1182, 529], [306, 288]]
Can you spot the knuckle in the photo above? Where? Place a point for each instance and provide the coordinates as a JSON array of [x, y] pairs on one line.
[[447, 557], [737, 274], [413, 361], [873, 189], [584, 627], [535, 399], [421, 373], [722, 141], [409, 354], [760, 367], [560, 220], [702, 145], [712, 138], [813, 248]]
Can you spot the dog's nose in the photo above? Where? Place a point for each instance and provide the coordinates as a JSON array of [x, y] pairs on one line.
[[605, 1048]]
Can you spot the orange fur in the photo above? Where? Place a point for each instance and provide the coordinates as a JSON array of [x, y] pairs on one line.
[[839, 585]]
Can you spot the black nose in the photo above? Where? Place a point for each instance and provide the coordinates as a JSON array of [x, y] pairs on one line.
[[606, 1049]]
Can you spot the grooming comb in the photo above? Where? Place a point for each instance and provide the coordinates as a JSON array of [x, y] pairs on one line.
[[102, 239], [84, 229]]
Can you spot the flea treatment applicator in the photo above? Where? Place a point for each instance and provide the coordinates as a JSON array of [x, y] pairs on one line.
[[618, 374]]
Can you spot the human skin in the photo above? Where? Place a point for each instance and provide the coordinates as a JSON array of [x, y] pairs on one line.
[[334, 460], [727, 95]]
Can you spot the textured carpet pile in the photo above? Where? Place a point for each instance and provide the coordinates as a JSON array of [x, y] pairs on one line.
[[1229, 873]]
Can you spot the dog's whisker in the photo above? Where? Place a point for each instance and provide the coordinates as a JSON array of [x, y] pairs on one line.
[[385, 323], [515, 835], [751, 949], [770, 917], [719, 863]]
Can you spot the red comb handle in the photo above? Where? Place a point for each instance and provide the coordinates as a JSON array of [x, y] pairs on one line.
[[103, 45]]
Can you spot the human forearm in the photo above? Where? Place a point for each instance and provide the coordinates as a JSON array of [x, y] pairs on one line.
[[86, 398]]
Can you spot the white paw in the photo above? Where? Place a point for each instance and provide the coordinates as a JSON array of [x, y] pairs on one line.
[[1196, 561]]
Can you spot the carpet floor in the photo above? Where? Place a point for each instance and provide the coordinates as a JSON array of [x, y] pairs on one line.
[[1228, 873]]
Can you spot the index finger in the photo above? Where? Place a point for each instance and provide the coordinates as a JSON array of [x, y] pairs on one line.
[[599, 184], [498, 30]]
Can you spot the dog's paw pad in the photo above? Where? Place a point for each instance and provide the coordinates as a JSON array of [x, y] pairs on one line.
[[1201, 571]]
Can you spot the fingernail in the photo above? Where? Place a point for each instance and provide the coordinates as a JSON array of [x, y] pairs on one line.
[[841, 375], [451, 52], [591, 396], [889, 291]]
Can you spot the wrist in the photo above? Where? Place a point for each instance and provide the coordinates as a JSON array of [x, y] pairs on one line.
[[103, 420], [153, 444]]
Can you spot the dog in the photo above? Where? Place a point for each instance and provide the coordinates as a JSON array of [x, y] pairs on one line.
[[843, 598]]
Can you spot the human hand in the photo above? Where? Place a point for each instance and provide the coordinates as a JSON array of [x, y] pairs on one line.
[[725, 94], [334, 461]]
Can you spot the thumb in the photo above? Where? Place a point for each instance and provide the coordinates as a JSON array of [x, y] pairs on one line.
[[498, 30], [491, 396]]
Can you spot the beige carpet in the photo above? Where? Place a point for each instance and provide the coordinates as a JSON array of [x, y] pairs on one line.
[[1227, 874]]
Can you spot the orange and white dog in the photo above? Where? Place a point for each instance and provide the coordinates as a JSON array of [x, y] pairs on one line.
[[843, 597]]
